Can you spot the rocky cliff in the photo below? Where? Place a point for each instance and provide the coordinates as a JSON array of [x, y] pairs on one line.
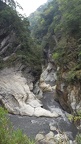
[[55, 26], [26, 90], [16, 95], [70, 92], [17, 59], [16, 81]]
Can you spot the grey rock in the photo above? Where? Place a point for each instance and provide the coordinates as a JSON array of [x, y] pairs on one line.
[[16, 96]]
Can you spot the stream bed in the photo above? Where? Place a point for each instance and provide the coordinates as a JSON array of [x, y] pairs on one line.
[[34, 125]]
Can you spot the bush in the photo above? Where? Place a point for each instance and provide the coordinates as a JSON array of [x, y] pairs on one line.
[[78, 139], [8, 135], [56, 56]]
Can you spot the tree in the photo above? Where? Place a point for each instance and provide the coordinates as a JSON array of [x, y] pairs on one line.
[[71, 16], [10, 3]]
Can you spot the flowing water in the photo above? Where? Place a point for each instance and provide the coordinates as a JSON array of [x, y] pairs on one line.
[[33, 125]]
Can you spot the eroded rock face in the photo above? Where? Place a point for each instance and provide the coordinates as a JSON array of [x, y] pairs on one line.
[[68, 95], [47, 80], [71, 95], [16, 96], [49, 73], [74, 96]]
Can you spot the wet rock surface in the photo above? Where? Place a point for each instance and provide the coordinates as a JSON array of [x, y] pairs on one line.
[[43, 125], [33, 125]]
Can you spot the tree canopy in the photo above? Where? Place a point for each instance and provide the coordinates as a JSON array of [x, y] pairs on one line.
[[59, 24], [12, 22]]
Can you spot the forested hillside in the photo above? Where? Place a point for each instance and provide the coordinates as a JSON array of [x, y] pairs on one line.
[[58, 24], [15, 39]]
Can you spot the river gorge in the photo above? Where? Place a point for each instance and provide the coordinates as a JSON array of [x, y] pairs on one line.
[[34, 108]]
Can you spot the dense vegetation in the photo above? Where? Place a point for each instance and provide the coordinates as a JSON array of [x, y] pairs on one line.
[[59, 25], [8, 135], [25, 49]]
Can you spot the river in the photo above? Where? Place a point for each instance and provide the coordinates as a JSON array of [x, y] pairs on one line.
[[33, 125]]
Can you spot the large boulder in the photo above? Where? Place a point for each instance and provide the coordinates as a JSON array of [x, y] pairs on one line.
[[16, 96]]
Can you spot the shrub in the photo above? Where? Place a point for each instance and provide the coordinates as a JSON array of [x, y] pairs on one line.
[[78, 139], [8, 135], [56, 55]]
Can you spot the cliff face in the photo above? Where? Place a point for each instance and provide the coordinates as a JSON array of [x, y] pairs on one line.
[[70, 92], [8, 36], [58, 32], [17, 77]]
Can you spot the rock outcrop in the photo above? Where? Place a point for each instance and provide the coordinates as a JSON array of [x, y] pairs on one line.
[[67, 94], [51, 138], [16, 96], [48, 83], [70, 93]]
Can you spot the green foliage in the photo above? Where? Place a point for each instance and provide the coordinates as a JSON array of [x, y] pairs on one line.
[[57, 23], [42, 22], [74, 75], [28, 51], [60, 18], [11, 21], [75, 118], [8, 135], [10, 3], [78, 139], [56, 56], [71, 16]]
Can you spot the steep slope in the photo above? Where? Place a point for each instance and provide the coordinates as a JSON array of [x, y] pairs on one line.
[[57, 29], [20, 65], [16, 42]]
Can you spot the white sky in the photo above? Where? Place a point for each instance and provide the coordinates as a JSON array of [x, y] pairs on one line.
[[30, 6]]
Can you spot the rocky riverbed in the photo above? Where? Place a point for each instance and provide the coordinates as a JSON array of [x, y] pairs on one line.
[[34, 109], [43, 125], [33, 125]]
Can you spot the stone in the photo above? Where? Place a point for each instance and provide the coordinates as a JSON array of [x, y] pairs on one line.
[[49, 73], [31, 86], [45, 87], [39, 137], [37, 91], [34, 103], [49, 136], [54, 87], [26, 110], [53, 128], [16, 96], [62, 138], [73, 105], [43, 112]]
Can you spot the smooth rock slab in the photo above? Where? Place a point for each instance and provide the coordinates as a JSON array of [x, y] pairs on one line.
[[16, 96], [42, 112]]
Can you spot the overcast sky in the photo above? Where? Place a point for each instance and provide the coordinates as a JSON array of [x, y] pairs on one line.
[[30, 6]]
